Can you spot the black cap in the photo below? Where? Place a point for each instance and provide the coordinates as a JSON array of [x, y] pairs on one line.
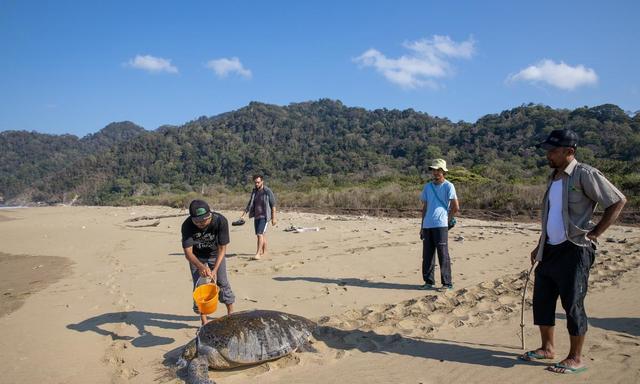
[[560, 138], [199, 209]]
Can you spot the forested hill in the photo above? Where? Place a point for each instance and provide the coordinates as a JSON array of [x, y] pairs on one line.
[[320, 139]]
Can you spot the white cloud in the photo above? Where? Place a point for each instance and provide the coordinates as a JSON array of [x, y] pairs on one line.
[[443, 46], [223, 67], [559, 75], [428, 60], [152, 64]]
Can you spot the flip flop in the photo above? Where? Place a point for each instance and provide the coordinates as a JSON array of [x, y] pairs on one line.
[[532, 355], [561, 368]]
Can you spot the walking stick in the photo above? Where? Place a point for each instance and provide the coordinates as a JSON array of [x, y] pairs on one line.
[[524, 293]]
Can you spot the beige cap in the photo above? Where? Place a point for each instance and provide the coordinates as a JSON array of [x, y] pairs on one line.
[[439, 164]]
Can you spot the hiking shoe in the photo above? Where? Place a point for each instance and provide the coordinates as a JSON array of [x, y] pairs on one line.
[[445, 288], [426, 286]]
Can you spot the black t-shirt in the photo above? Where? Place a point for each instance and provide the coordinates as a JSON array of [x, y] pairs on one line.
[[205, 241]]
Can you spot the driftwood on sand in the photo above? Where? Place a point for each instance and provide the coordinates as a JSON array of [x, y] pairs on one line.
[[139, 218], [154, 224]]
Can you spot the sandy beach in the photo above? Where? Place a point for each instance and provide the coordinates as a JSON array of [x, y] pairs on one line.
[[89, 296]]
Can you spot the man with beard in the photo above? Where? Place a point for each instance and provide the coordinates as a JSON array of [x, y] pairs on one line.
[[262, 207], [566, 249]]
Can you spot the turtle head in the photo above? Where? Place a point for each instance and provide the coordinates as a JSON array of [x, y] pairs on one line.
[[188, 353], [198, 371]]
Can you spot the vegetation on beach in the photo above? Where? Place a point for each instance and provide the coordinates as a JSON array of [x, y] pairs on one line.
[[317, 155]]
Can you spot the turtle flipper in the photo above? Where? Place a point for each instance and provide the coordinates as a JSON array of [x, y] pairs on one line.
[[198, 371]]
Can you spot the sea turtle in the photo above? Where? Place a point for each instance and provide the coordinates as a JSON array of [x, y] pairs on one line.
[[243, 338]]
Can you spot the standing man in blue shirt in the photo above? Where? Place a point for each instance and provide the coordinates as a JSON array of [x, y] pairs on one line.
[[439, 206], [262, 207]]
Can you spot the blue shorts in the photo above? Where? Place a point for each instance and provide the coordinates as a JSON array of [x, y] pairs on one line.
[[260, 225]]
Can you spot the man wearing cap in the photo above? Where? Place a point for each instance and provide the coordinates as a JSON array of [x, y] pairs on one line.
[[205, 235], [262, 207], [566, 249], [439, 206]]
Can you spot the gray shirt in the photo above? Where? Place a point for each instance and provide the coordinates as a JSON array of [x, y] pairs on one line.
[[583, 188], [268, 199]]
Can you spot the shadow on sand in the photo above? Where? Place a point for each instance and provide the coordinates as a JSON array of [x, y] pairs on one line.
[[371, 342], [436, 349], [351, 281], [441, 350], [140, 320], [628, 325], [334, 338]]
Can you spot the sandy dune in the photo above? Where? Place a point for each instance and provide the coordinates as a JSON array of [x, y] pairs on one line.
[[88, 296]]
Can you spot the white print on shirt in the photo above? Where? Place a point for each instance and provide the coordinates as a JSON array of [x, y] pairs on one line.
[[205, 240]]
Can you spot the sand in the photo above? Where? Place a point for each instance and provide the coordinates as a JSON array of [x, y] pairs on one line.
[[88, 296]]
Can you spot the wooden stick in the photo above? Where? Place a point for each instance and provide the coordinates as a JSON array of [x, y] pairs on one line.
[[524, 293]]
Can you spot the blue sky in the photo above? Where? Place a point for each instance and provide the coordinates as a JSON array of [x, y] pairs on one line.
[[75, 66]]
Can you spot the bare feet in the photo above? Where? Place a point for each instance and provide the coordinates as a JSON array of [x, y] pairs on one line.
[[256, 257]]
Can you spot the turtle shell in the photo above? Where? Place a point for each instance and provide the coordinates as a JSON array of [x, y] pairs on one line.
[[252, 337]]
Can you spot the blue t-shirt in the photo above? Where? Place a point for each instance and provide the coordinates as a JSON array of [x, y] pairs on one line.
[[437, 214]]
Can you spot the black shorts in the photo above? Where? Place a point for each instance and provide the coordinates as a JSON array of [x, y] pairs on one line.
[[564, 272]]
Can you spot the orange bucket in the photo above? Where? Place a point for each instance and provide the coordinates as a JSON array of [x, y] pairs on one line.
[[206, 298]]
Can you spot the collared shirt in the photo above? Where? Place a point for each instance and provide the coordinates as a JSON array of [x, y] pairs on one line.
[[583, 188]]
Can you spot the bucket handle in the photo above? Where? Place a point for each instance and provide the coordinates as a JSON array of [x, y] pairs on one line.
[[203, 280]]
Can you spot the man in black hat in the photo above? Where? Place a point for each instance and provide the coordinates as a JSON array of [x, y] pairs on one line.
[[566, 249], [205, 235]]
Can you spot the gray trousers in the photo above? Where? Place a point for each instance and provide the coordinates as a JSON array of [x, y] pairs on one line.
[[436, 239], [226, 295]]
